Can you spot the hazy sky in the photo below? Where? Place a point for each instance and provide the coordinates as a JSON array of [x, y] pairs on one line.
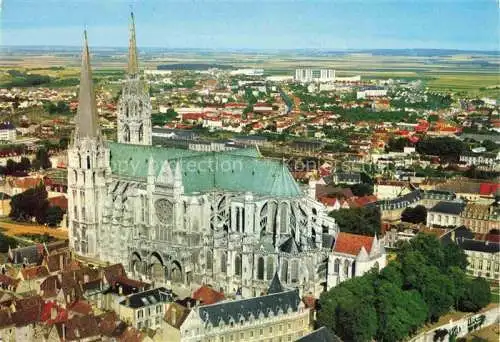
[[257, 24]]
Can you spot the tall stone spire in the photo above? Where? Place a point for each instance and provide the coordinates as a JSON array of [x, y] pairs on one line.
[[133, 65], [87, 123]]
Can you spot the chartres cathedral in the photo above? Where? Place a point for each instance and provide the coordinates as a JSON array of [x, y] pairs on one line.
[[230, 219]]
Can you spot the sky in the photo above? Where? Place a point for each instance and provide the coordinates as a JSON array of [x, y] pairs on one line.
[[256, 24]]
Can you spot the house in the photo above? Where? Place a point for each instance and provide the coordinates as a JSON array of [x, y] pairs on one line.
[[145, 309], [483, 256], [207, 295], [31, 278], [30, 255], [353, 255], [445, 214], [7, 132], [278, 315]]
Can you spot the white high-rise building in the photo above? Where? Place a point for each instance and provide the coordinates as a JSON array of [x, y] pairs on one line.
[[314, 75]]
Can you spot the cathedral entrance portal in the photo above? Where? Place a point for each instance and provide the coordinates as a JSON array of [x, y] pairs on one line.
[[156, 268], [176, 272]]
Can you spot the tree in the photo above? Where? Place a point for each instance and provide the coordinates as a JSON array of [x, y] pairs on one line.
[[476, 296], [42, 160], [414, 215], [29, 204], [63, 143], [490, 145], [364, 220], [362, 189], [54, 216], [25, 164]]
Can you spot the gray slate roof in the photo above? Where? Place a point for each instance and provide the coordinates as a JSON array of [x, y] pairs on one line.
[[236, 310], [479, 246], [451, 208], [322, 334], [146, 298]]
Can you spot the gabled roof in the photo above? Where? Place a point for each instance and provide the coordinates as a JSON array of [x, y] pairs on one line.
[[322, 334], [347, 243], [275, 286], [30, 255], [207, 295], [34, 272], [235, 310], [176, 314], [238, 170], [290, 246]]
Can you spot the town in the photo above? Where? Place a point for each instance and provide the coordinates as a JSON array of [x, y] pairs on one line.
[[206, 202]]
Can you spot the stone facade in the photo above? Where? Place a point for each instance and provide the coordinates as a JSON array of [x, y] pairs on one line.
[[234, 233]]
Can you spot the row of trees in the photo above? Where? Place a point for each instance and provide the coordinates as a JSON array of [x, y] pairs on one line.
[[447, 148], [425, 281], [41, 161], [33, 204]]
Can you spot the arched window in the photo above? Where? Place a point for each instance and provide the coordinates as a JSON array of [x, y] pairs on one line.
[[295, 271], [336, 267], [126, 133], [237, 265], [346, 268], [283, 218], [75, 176], [93, 178], [223, 262], [209, 260], [88, 162], [79, 160], [270, 268], [260, 268], [376, 266], [284, 271], [272, 217], [141, 133]]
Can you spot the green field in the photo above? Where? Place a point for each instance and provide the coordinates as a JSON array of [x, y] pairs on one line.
[[476, 75]]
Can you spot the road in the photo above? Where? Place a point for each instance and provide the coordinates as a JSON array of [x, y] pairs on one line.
[[12, 229]]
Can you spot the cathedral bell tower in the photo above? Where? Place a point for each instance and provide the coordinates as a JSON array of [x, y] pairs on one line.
[[88, 168], [134, 106]]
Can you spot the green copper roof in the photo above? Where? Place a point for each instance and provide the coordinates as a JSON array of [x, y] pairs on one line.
[[239, 170]]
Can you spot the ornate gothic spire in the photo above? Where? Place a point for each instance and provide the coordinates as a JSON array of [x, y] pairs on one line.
[[86, 118], [133, 65]]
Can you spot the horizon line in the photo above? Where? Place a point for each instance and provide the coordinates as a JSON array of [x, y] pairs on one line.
[[253, 48]]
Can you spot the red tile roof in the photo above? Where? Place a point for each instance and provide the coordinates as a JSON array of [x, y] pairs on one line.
[[34, 272], [351, 243], [53, 313], [487, 189], [208, 295], [81, 307]]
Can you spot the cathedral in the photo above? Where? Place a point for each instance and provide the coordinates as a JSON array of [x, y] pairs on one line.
[[231, 219]]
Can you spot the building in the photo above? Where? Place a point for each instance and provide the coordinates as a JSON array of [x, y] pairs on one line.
[[481, 218], [353, 255], [280, 315], [314, 75], [7, 132], [445, 214], [483, 256], [145, 309], [230, 219]]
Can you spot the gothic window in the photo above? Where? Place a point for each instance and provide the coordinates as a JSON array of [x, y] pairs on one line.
[[270, 268], [126, 133], [220, 216], [223, 262], [209, 260], [284, 271], [83, 213], [238, 210], [346, 268], [260, 268], [237, 265], [263, 217], [336, 266], [164, 211], [88, 162], [273, 214], [75, 176], [295, 271], [79, 160], [126, 110], [93, 178], [283, 218], [141, 133]]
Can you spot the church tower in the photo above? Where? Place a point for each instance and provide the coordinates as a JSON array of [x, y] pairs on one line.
[[134, 107], [88, 168]]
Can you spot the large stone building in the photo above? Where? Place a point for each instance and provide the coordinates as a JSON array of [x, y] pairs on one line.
[[231, 218]]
